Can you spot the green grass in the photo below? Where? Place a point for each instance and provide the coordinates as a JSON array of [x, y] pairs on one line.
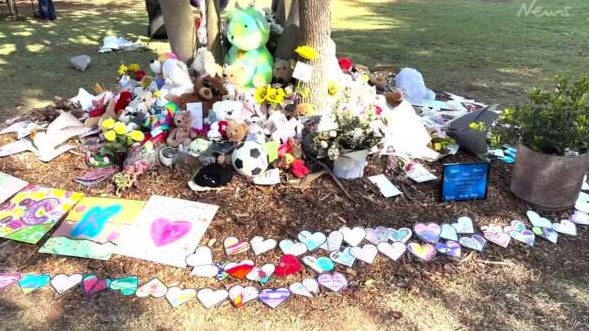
[[479, 48]]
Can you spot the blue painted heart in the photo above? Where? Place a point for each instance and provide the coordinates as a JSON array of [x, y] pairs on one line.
[[401, 235], [475, 242], [449, 248]]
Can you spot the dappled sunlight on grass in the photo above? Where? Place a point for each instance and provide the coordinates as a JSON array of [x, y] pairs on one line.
[[7, 49], [35, 48]]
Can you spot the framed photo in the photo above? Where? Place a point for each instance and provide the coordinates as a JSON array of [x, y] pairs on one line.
[[465, 181]]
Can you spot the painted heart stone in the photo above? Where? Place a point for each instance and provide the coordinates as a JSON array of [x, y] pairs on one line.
[[378, 235], [91, 284], [492, 228], [291, 248], [155, 288], [177, 296], [234, 246], [311, 285], [164, 232], [8, 279], [334, 241], [31, 282], [201, 262], [582, 206], [320, 265], [401, 235], [274, 297], [537, 220], [565, 227], [344, 257], [210, 298], [515, 225], [239, 270], [353, 236], [579, 218], [428, 232], [127, 286], [497, 237], [448, 232], [525, 236], [62, 283], [312, 240], [449, 248], [260, 245], [288, 265], [261, 275], [393, 251], [475, 242], [464, 225], [546, 233], [307, 288], [239, 295], [425, 252], [334, 281], [365, 254]]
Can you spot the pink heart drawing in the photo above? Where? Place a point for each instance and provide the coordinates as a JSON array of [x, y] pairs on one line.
[[164, 232]]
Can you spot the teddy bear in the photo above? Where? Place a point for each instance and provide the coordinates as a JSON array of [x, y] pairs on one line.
[[236, 131], [204, 64], [138, 109], [234, 78], [227, 110], [207, 90], [252, 108], [248, 32], [282, 73], [182, 133], [175, 74]]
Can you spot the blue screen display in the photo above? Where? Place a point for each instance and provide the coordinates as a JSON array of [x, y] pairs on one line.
[[465, 181]]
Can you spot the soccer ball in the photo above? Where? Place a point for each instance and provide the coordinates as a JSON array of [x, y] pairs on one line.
[[249, 159]]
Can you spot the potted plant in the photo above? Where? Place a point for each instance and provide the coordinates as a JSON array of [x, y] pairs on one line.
[[552, 133]]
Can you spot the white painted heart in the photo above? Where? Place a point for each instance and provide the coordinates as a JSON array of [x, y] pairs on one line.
[[320, 265], [177, 296], [366, 254], [260, 245], [449, 232], [537, 220], [579, 218], [393, 251], [582, 206], [464, 225], [312, 240], [306, 288], [311, 285], [239, 295], [210, 298], [262, 274], [378, 235], [154, 288], [62, 283], [335, 281], [353, 236], [344, 257], [334, 241], [289, 247], [565, 227], [201, 256]]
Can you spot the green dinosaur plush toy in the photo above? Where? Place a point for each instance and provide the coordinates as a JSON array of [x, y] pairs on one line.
[[248, 32]]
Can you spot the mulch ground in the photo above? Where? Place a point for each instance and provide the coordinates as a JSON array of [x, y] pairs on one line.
[[284, 210]]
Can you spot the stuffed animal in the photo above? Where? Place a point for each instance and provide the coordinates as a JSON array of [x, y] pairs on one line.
[[236, 131], [218, 131], [248, 32], [227, 110], [394, 98], [175, 74], [138, 109], [252, 108], [181, 134], [234, 78], [204, 64], [207, 90], [282, 73]]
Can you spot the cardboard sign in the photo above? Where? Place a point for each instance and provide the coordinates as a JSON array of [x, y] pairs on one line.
[[302, 72], [465, 181]]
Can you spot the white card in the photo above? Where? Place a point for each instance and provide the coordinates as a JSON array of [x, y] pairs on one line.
[[195, 109], [302, 72], [385, 186], [420, 174], [269, 177]]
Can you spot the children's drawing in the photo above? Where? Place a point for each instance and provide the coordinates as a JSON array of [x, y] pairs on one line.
[[167, 230], [34, 211], [93, 228]]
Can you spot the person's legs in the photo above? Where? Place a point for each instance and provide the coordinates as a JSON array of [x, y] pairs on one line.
[[43, 9], [50, 10]]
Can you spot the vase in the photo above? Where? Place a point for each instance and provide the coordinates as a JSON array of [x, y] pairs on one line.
[[350, 165], [549, 182]]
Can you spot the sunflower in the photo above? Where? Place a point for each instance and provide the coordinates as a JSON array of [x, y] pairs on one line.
[[110, 135], [122, 69], [261, 94], [133, 67], [272, 95], [307, 52], [136, 135], [108, 123]]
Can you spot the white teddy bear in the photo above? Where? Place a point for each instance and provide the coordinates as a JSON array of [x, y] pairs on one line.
[[227, 110], [176, 76]]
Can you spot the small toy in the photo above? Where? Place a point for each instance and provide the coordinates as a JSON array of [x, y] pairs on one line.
[[282, 73], [236, 131], [248, 32], [204, 64], [218, 130], [175, 74], [234, 78], [182, 133]]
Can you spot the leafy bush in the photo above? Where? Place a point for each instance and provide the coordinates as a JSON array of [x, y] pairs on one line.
[[554, 122]]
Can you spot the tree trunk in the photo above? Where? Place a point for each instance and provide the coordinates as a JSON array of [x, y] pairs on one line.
[[180, 27], [213, 34], [315, 31]]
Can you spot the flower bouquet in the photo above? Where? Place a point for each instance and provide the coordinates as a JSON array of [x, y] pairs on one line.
[[133, 76], [118, 141]]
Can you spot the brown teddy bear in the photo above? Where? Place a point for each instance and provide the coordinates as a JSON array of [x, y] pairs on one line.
[[394, 98], [236, 131], [207, 90], [282, 73], [182, 133], [234, 77]]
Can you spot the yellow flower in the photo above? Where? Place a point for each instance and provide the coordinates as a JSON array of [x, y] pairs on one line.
[[307, 52], [123, 69], [108, 123], [133, 67], [260, 94], [120, 128], [332, 88], [136, 135], [272, 95], [110, 135], [280, 95], [157, 94]]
